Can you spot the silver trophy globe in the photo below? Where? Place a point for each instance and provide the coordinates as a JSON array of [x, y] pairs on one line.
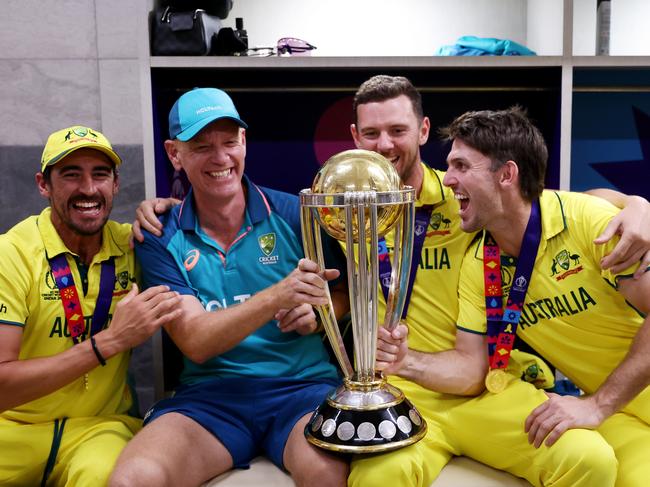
[[357, 197]]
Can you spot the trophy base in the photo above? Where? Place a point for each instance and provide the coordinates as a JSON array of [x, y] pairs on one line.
[[365, 418]]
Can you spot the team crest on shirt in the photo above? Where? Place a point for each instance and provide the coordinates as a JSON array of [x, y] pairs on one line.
[[565, 264], [267, 246], [122, 279], [439, 225]]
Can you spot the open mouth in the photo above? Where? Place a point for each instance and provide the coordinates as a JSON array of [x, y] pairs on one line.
[[220, 174], [86, 207], [463, 200]]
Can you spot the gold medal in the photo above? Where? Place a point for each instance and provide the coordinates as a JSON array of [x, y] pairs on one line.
[[496, 380]]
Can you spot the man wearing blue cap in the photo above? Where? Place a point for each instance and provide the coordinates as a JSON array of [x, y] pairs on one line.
[[254, 369]]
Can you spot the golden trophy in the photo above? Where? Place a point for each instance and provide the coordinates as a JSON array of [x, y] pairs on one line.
[[357, 197]]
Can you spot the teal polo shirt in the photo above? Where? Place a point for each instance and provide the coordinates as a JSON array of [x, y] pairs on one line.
[[267, 249]]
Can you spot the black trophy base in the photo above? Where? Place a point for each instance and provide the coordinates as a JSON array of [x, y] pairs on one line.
[[365, 428]]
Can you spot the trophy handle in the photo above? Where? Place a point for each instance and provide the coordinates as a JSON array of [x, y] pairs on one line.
[[401, 266], [312, 244]]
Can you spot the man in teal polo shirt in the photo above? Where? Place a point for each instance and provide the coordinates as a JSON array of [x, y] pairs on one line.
[[254, 369]]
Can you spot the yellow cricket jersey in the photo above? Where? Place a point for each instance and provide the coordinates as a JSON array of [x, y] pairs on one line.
[[573, 314], [30, 299], [433, 307]]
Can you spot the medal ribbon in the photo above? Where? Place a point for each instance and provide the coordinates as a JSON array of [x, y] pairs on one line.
[[502, 326], [422, 218], [70, 298]]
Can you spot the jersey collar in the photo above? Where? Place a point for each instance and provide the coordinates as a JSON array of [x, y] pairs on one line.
[[553, 220], [432, 191], [257, 206], [54, 244]]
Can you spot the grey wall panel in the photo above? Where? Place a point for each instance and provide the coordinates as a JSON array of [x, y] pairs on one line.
[[48, 29], [38, 97], [117, 28], [121, 112]]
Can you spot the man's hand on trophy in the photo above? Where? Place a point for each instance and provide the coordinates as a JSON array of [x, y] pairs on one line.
[[306, 284], [392, 349], [301, 319]]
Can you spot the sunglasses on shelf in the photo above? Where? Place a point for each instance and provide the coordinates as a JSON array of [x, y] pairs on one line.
[[291, 45], [286, 46]]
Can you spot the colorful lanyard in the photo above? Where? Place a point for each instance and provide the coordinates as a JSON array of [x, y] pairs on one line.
[[502, 326], [422, 219], [70, 298]]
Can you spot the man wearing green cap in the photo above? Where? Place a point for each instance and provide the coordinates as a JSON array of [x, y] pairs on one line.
[[65, 276]]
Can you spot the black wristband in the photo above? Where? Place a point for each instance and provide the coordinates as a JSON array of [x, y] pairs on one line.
[[99, 356]]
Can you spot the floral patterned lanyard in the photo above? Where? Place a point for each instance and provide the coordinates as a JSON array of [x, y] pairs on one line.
[[502, 326]]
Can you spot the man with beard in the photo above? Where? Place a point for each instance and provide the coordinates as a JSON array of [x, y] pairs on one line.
[[65, 276], [591, 323]]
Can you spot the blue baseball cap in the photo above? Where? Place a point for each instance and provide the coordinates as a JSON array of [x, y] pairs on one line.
[[197, 108]]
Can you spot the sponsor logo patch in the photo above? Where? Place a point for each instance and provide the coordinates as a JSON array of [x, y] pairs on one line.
[[191, 259]]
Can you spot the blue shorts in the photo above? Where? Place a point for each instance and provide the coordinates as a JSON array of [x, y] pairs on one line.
[[249, 416]]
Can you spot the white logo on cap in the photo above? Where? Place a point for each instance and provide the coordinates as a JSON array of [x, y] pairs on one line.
[[208, 109]]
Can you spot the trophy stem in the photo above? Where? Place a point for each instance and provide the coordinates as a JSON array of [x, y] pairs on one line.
[[354, 287], [373, 276], [363, 326]]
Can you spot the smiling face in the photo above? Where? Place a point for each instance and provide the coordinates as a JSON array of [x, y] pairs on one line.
[[80, 188], [475, 186], [213, 160], [392, 129]]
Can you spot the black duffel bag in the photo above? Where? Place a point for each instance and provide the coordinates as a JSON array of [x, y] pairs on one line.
[[220, 8], [187, 33]]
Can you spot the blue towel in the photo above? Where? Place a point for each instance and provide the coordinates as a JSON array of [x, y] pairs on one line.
[[484, 46]]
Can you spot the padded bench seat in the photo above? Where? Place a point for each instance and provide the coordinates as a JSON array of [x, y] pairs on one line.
[[460, 472]]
